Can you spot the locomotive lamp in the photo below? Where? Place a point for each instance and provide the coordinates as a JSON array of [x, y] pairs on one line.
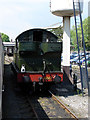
[[23, 68], [64, 8]]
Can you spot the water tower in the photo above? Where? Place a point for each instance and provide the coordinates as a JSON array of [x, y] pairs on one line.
[[64, 8]]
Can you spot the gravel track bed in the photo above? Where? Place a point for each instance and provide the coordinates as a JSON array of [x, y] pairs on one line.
[[74, 100], [49, 106]]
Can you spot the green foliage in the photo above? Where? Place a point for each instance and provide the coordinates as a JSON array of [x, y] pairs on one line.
[[73, 37], [86, 30], [58, 32], [5, 38], [88, 41], [86, 35]]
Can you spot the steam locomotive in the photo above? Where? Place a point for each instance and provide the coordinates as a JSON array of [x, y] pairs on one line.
[[37, 58]]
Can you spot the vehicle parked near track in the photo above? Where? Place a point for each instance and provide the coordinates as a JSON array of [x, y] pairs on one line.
[[74, 54], [74, 60], [88, 61], [82, 59], [37, 58]]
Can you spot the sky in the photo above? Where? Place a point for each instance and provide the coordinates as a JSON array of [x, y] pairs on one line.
[[20, 15]]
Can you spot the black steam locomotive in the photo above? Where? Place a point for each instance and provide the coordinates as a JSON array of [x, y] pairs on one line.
[[37, 58]]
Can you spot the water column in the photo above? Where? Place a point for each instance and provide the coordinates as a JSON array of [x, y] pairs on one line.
[[66, 47], [64, 8]]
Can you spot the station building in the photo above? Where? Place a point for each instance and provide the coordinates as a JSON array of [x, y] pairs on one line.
[[9, 48]]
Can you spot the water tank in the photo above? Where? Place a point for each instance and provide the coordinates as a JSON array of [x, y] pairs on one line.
[[65, 7]]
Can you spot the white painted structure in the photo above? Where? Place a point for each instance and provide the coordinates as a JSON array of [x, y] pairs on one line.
[[64, 8], [66, 41], [1, 74]]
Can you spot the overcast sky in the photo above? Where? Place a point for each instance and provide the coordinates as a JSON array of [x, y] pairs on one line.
[[19, 15]]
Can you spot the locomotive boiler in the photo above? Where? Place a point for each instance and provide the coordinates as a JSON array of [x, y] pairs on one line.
[[37, 58]]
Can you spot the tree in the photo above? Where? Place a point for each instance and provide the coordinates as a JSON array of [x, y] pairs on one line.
[[5, 38], [86, 26], [86, 35], [73, 37], [58, 32]]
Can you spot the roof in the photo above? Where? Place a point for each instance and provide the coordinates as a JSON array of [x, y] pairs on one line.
[[36, 29], [9, 44]]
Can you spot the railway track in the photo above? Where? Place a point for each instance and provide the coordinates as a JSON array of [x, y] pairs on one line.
[[63, 106], [25, 107], [49, 106], [43, 105], [36, 116]]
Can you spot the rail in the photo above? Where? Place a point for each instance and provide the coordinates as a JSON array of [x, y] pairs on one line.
[[33, 108], [64, 107]]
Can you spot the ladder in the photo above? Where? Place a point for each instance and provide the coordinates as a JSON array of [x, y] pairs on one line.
[[75, 6]]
